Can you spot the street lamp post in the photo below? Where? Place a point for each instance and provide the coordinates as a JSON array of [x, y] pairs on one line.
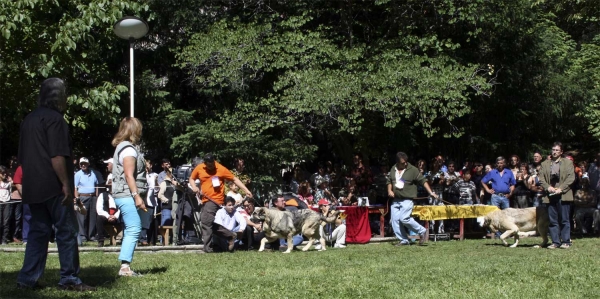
[[130, 28]]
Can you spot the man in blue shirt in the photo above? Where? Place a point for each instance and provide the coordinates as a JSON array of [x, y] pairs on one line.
[[85, 189], [503, 184]]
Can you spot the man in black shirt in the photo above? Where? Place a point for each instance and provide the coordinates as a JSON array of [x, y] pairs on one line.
[[45, 153]]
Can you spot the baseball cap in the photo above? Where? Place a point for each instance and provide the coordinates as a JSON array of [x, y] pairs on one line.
[[84, 160], [323, 202], [108, 161]]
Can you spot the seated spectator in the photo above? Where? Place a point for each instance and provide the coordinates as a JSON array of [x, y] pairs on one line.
[[106, 214], [348, 195], [229, 225], [253, 232], [331, 231], [234, 192], [305, 193], [585, 205], [466, 189]]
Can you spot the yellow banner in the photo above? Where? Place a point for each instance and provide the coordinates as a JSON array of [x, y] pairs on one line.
[[451, 212]]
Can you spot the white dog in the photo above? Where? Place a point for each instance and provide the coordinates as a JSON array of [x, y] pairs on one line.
[[515, 222]]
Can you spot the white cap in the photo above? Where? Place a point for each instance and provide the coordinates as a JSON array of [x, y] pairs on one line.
[[108, 161], [84, 160]]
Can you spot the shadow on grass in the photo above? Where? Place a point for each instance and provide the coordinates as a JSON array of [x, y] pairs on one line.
[[98, 276]]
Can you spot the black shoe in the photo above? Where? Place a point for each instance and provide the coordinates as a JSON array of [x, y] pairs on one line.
[[100, 243], [82, 287], [422, 238]]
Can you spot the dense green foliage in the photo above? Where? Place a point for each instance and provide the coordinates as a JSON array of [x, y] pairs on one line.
[[291, 80], [444, 269]]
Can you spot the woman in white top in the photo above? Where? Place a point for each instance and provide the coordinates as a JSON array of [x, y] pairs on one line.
[[129, 187]]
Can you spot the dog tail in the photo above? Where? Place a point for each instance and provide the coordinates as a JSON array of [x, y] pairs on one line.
[[331, 218], [481, 221]]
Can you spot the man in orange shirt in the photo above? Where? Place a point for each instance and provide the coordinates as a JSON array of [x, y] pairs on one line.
[[212, 176]]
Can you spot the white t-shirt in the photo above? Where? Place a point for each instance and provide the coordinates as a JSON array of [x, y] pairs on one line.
[[127, 152], [238, 197], [5, 189]]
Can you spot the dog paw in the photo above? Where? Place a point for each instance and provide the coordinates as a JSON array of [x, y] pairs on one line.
[[537, 246], [286, 251], [513, 246]]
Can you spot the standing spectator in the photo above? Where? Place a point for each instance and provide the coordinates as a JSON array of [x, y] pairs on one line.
[[452, 177], [503, 184], [515, 164], [594, 174], [362, 175], [129, 188], [234, 193], [5, 191], [166, 165], [26, 216], [44, 152], [167, 196], [556, 177], [109, 167], [212, 176], [319, 175], [537, 163], [522, 188], [585, 205], [85, 189], [402, 188], [147, 234], [476, 178], [380, 182], [466, 189], [16, 206]]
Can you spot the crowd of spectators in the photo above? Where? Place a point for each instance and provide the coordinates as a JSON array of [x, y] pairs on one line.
[[330, 185]]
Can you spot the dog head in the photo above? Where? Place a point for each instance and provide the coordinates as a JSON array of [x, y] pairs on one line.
[[258, 215]]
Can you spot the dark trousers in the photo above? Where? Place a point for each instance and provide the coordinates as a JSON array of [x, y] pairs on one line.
[[5, 213], [250, 238], [87, 223], [207, 217], [43, 216], [101, 221], [559, 217], [17, 212]]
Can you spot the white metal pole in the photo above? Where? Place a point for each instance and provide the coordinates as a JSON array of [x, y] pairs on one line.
[[131, 74]]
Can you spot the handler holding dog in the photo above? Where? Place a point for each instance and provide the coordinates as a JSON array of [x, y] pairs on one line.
[[212, 176], [402, 186], [556, 177]]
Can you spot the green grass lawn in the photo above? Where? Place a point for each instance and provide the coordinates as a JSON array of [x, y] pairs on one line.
[[446, 269]]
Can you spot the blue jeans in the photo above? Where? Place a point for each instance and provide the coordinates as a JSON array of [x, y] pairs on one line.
[[132, 221], [165, 217], [500, 201], [43, 216], [26, 221], [296, 239], [400, 219], [560, 224]]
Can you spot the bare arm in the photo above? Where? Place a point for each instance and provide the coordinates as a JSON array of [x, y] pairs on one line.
[[242, 186], [59, 164]]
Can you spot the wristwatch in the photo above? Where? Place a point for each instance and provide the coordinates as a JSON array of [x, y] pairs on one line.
[[133, 194]]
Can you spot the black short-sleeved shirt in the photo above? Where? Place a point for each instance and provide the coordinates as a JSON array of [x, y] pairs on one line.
[[44, 135]]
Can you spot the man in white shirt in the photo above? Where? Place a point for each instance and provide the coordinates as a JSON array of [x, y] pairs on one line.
[[229, 225], [107, 213]]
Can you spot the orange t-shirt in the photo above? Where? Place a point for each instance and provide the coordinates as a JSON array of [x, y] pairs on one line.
[[221, 174]]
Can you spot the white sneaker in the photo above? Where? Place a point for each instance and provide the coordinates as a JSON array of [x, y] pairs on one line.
[[128, 272], [318, 247], [337, 245]]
